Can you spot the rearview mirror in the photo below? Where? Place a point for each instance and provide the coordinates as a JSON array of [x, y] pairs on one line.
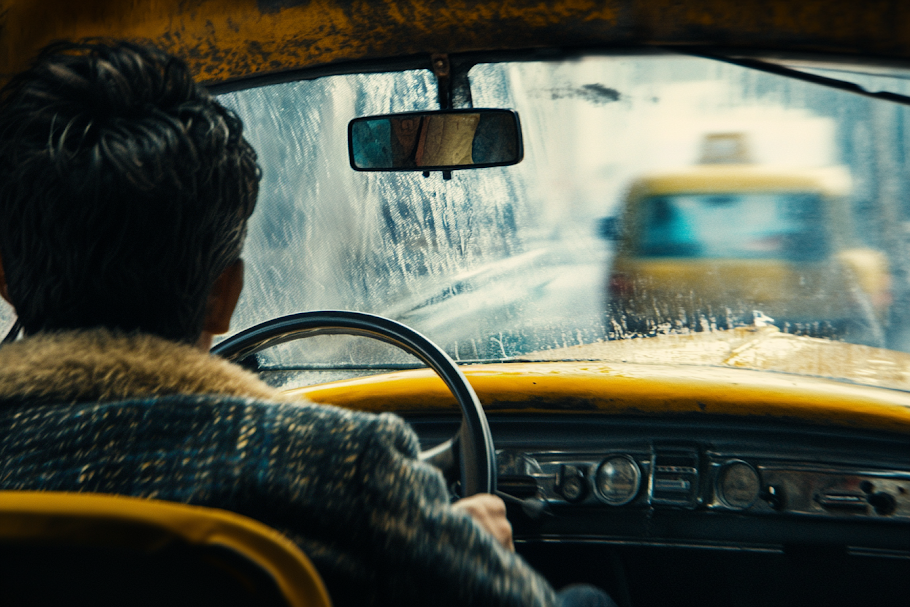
[[441, 140]]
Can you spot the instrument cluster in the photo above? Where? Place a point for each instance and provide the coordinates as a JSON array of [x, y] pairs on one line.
[[696, 478]]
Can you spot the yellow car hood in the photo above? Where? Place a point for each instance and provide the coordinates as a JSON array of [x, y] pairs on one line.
[[761, 349]]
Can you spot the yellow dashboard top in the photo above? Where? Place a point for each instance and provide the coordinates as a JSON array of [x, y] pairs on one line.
[[572, 388]]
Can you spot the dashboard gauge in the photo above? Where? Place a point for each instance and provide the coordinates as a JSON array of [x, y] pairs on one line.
[[738, 485], [574, 485], [618, 480]]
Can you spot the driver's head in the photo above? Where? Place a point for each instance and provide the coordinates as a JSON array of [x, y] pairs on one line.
[[124, 192]]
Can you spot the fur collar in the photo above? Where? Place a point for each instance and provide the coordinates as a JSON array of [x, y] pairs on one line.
[[98, 365]]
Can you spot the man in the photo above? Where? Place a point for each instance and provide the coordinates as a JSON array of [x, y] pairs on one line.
[[124, 195]]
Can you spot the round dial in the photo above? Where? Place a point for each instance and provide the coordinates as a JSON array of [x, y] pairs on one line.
[[738, 485], [618, 480]]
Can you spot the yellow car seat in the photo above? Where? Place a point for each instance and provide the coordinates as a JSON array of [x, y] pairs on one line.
[[91, 549]]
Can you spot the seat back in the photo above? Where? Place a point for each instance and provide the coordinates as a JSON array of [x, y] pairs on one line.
[[90, 549]]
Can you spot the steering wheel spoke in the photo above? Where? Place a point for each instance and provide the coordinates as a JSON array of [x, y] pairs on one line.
[[470, 451]]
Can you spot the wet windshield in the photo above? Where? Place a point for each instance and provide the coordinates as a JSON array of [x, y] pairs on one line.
[[659, 196]]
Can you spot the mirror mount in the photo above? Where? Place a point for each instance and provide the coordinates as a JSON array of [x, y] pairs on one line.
[[452, 83], [454, 89], [442, 69]]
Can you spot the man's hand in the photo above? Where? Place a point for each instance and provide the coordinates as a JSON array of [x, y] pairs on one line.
[[490, 513]]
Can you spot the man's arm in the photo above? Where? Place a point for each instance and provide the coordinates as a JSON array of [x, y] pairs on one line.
[[377, 522], [436, 553]]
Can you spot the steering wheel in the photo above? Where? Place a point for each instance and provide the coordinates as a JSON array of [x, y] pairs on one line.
[[471, 449]]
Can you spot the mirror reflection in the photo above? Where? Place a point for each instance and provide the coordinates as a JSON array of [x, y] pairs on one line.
[[437, 140]]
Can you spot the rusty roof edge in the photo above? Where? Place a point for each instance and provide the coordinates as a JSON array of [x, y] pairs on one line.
[[225, 40]]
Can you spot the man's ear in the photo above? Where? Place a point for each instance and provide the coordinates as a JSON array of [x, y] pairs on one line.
[[223, 299], [4, 292]]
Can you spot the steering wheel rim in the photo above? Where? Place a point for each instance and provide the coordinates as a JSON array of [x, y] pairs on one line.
[[472, 446]]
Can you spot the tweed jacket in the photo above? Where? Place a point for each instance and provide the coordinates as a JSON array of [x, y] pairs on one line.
[[137, 415]]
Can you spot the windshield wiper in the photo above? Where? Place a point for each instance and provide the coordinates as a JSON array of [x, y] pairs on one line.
[[780, 70]]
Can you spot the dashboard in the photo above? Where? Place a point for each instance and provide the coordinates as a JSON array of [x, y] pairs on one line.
[[772, 511], [685, 484]]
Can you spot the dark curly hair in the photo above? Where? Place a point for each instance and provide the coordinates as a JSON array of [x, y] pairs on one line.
[[125, 190]]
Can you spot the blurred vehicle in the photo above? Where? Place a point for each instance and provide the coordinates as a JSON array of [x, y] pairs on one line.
[[729, 241]]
